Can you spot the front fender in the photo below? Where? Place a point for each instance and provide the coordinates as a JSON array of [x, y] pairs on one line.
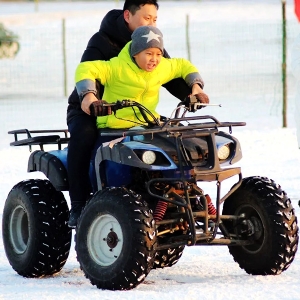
[[126, 153]]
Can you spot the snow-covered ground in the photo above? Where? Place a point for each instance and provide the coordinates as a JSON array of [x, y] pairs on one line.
[[202, 272]]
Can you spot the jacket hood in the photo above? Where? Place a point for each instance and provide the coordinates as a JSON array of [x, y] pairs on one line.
[[120, 33]]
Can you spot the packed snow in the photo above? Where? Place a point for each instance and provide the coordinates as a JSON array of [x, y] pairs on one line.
[[202, 272]]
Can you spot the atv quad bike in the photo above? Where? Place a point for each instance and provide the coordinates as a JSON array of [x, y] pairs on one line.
[[147, 203]]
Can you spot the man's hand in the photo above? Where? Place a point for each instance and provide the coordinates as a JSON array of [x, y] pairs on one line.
[[97, 108]]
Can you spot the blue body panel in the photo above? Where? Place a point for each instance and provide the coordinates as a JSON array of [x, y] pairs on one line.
[[116, 174]]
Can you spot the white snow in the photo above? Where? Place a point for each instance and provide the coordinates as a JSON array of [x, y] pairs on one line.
[[268, 150]]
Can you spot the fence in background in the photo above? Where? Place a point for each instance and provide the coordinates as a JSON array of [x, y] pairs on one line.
[[235, 59]]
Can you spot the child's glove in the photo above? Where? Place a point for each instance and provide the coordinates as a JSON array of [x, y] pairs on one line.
[[97, 108], [202, 98], [193, 102]]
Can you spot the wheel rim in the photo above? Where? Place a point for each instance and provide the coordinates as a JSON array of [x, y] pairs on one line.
[[105, 240], [256, 221], [18, 229]]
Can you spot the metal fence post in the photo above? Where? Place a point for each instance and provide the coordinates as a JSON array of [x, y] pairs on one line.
[[64, 56], [188, 38], [36, 5], [284, 84]]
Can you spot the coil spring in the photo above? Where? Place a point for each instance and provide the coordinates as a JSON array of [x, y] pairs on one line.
[[160, 210], [210, 207]]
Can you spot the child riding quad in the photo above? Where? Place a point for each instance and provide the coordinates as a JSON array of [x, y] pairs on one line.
[[147, 204]]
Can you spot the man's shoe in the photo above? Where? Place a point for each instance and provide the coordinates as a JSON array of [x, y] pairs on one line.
[[74, 215]]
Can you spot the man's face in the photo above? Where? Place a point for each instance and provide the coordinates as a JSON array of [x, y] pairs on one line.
[[148, 59], [146, 15]]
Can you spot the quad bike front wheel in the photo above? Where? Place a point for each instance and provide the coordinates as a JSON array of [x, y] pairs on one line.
[[167, 257], [36, 236], [269, 223], [116, 239]]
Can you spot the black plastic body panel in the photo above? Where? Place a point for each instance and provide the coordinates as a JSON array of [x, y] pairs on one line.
[[51, 166]]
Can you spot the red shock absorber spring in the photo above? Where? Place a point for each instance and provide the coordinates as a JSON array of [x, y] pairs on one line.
[[211, 208], [160, 210]]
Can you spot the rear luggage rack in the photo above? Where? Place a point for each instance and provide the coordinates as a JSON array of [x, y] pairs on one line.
[[40, 140]]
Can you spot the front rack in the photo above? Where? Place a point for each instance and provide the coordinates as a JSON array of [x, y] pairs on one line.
[[167, 126], [62, 135]]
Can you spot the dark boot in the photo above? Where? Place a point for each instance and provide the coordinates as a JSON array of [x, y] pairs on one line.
[[75, 213]]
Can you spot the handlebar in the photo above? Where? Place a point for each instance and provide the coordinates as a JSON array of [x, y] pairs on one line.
[[130, 103], [148, 116], [192, 106]]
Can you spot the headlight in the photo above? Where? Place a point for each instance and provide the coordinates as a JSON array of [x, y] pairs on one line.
[[148, 157], [223, 152]]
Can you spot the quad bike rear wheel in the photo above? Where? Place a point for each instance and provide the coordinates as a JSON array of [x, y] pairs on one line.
[[36, 236], [270, 224], [116, 239]]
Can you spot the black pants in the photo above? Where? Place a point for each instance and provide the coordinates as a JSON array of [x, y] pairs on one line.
[[83, 136]]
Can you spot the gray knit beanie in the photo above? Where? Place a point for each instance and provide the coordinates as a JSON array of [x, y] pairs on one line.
[[145, 37]]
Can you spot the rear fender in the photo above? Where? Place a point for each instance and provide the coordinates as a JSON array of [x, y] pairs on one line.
[[53, 164]]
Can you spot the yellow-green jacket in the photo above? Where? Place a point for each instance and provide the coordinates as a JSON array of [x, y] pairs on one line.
[[123, 79]]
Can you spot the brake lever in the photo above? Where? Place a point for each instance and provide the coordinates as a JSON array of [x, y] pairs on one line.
[[208, 104], [193, 104]]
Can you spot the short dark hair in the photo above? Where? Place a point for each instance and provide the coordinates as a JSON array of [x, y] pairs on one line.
[[134, 5]]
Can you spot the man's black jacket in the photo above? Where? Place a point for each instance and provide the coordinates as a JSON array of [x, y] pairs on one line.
[[112, 36]]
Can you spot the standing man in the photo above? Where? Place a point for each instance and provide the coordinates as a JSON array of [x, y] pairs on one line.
[[115, 31]]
